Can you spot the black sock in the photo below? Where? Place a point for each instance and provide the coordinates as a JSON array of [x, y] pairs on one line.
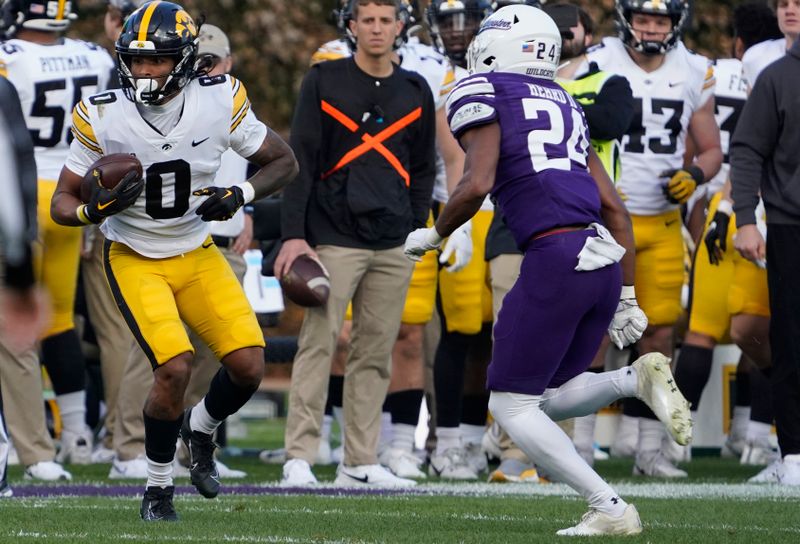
[[692, 371], [760, 397], [63, 358], [225, 397], [160, 437], [335, 392], [743, 387], [635, 408], [448, 377], [474, 409], [404, 406]]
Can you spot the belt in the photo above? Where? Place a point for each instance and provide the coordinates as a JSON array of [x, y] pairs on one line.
[[559, 230], [223, 241]]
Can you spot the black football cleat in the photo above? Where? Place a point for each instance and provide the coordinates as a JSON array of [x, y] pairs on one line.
[[157, 504], [202, 468]]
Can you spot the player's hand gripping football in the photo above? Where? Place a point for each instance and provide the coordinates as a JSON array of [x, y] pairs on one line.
[[421, 241], [682, 183], [106, 202], [629, 321], [221, 204], [459, 244], [716, 238]]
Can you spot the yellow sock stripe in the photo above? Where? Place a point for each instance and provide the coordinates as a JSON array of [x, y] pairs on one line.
[[145, 24], [62, 4]]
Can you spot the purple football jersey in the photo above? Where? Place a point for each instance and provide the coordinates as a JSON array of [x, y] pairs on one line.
[[542, 181]]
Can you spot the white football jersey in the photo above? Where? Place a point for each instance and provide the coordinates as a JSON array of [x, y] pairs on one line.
[[761, 55], [50, 80], [665, 100], [162, 222]]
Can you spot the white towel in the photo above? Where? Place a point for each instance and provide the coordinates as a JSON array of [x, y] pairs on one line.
[[599, 251]]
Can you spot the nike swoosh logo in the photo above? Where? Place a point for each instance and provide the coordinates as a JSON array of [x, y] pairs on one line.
[[675, 84], [195, 144], [668, 223], [106, 205], [206, 246], [228, 193], [363, 479]]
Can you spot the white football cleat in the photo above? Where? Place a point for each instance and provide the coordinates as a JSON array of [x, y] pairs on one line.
[[102, 455], [225, 471], [769, 475], [595, 523], [789, 473], [491, 441], [369, 475], [403, 464], [476, 458], [5, 490], [297, 473], [452, 464], [756, 453], [133, 469], [653, 463], [76, 448], [514, 471], [658, 390], [674, 452], [47, 471]]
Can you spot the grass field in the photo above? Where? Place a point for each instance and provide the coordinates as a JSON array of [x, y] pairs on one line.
[[712, 506]]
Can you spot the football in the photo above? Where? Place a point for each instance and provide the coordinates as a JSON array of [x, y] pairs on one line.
[[307, 282], [112, 168]]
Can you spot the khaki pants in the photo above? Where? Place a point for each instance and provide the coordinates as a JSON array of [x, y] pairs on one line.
[[376, 281], [138, 379], [113, 336]]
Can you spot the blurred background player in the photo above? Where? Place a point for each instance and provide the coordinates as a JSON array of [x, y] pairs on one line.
[[765, 53], [673, 93], [51, 74]]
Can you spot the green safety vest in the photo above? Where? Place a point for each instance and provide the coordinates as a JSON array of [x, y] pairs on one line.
[[585, 90]]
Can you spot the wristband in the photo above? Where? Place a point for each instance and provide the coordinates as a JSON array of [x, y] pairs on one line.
[[83, 217], [627, 292], [725, 207], [697, 174], [248, 191]]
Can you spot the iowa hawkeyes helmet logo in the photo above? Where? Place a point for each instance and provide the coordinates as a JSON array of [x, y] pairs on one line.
[[184, 26]]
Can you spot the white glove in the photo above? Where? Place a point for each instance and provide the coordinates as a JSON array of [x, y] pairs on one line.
[[629, 321], [420, 241], [460, 244]]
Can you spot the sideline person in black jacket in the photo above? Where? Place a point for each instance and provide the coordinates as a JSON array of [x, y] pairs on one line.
[[765, 160], [363, 134]]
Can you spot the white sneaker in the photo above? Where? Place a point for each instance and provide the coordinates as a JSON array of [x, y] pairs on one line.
[[133, 469], [514, 471], [228, 472], [476, 458], [372, 475], [789, 474], [102, 455], [76, 448], [769, 475], [626, 438], [323, 453], [595, 523], [403, 464], [451, 465], [297, 473], [755, 453], [491, 441], [47, 471], [658, 390], [654, 464], [273, 457]]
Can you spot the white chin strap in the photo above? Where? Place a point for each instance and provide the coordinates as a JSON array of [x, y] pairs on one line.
[[145, 85]]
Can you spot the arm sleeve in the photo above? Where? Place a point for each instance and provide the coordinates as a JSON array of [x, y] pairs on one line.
[[423, 162], [305, 141], [753, 141], [18, 205], [612, 111]]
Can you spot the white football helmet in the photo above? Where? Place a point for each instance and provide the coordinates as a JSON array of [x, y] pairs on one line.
[[517, 38]]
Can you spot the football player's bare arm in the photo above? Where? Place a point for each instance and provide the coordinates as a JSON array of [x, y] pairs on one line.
[[482, 145], [66, 199], [615, 215], [704, 131], [278, 166], [451, 152]]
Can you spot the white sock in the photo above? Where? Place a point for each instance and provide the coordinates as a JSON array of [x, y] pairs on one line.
[[159, 474], [201, 421], [446, 438], [72, 408], [403, 437], [325, 431], [471, 434], [385, 436], [651, 433], [741, 417], [547, 445], [588, 392], [583, 433], [338, 415], [757, 432]]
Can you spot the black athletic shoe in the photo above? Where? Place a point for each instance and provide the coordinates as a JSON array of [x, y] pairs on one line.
[[157, 504], [202, 467]]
